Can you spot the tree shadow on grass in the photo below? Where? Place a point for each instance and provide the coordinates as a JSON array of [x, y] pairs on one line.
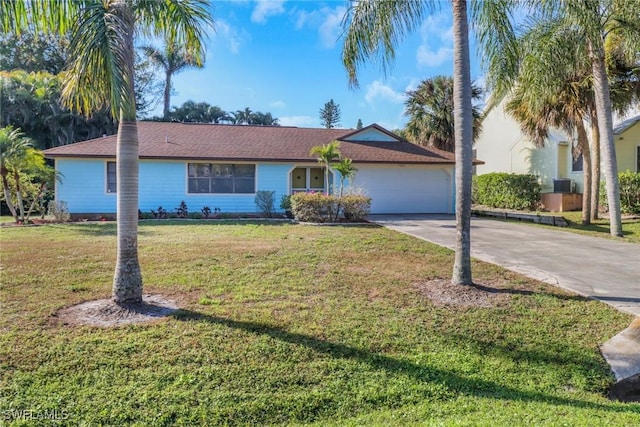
[[528, 292], [452, 381]]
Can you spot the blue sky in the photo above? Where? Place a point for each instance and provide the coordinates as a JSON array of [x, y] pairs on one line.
[[283, 57]]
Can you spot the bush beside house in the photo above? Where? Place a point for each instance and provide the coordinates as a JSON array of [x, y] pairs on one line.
[[629, 193], [507, 191], [319, 207]]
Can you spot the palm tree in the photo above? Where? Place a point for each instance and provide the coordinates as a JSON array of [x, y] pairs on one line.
[[14, 147], [372, 30], [326, 154], [101, 73], [430, 111], [172, 60], [597, 21]]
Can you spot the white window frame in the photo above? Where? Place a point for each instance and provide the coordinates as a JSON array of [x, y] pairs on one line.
[[255, 178], [106, 177]]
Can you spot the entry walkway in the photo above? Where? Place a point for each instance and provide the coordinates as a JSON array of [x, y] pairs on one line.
[[599, 268]]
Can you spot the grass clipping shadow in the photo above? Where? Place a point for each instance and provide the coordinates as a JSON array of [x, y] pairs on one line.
[[106, 313]]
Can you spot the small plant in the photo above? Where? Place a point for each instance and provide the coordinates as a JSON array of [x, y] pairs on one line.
[[182, 210], [161, 213], [59, 211], [265, 201], [285, 202], [206, 212]]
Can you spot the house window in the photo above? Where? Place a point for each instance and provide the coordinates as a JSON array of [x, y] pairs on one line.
[[576, 164], [221, 178], [112, 186], [576, 158], [308, 179]]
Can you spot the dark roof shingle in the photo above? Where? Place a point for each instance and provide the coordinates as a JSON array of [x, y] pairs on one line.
[[162, 140]]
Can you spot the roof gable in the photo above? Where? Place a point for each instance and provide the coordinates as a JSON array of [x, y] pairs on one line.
[[371, 133]]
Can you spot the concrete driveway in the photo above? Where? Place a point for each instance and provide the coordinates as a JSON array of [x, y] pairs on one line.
[[604, 269]]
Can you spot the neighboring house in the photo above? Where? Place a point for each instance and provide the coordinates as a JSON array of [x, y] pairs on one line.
[[504, 148], [627, 140], [222, 166]]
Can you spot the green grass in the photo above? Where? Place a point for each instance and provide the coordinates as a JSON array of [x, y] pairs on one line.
[[600, 227], [285, 324]]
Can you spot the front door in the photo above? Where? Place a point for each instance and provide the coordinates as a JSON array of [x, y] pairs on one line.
[[306, 179]]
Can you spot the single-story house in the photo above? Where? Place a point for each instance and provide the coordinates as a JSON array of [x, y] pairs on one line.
[[222, 166], [504, 148]]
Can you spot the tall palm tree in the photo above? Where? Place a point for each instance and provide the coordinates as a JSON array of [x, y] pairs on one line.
[[172, 59], [101, 73], [372, 29], [597, 21], [430, 111], [326, 154]]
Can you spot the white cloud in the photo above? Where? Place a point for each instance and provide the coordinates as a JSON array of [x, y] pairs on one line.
[[231, 35], [378, 91], [326, 20], [266, 8], [301, 121], [437, 41], [277, 104]]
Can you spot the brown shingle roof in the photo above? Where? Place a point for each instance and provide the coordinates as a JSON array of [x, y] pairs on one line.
[[162, 140]]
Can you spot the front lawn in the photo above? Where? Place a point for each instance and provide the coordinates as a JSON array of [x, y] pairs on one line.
[[290, 324]]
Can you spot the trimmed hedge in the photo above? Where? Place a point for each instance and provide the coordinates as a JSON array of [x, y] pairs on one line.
[[506, 191], [318, 207], [629, 193]]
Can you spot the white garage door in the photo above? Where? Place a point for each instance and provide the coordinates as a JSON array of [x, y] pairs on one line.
[[410, 189]]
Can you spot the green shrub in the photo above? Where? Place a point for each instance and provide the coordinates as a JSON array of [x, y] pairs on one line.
[[355, 208], [506, 191], [318, 207], [265, 201], [313, 207], [629, 193]]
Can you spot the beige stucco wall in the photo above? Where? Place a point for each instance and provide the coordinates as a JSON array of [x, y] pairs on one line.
[[626, 148], [504, 148]]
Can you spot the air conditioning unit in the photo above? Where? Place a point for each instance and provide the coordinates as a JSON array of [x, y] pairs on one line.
[[563, 185]]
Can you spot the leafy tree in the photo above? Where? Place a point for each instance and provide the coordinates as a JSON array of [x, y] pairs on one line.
[[359, 124], [330, 115], [24, 174], [32, 53], [372, 29], [198, 112], [147, 87], [327, 155], [31, 101], [263, 119], [101, 73], [241, 117], [172, 59], [430, 110]]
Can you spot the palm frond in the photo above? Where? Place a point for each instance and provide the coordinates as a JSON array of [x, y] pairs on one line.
[[372, 29]]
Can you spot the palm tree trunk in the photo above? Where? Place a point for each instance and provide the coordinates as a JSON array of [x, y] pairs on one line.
[[463, 123], [583, 142], [7, 193], [19, 201], [595, 168], [167, 96], [127, 280], [605, 124]]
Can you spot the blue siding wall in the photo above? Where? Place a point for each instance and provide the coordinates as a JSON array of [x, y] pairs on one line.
[[83, 186], [162, 183]]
